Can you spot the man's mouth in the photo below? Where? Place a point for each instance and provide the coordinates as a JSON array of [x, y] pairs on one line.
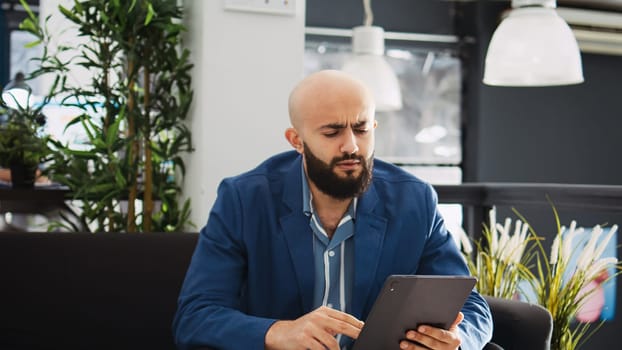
[[349, 164]]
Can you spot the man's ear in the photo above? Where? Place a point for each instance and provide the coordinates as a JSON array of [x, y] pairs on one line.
[[294, 139]]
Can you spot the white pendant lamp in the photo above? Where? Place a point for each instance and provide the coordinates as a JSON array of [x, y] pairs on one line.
[[17, 94], [533, 46], [368, 64]]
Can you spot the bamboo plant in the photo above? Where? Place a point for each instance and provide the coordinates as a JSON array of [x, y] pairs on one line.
[[133, 111]]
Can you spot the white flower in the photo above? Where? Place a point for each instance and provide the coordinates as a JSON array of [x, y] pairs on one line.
[[589, 263], [510, 248], [597, 268], [504, 236], [599, 251], [567, 246], [517, 242], [493, 230], [461, 238], [563, 243], [587, 253], [592, 250], [555, 246]]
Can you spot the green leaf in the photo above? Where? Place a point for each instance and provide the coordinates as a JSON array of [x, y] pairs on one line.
[[33, 44], [28, 10], [121, 182], [28, 25], [80, 153], [69, 14], [112, 132]]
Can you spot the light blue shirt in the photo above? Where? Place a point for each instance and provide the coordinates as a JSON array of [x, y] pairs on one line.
[[333, 259]]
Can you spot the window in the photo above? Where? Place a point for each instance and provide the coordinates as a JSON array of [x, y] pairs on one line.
[[424, 137]]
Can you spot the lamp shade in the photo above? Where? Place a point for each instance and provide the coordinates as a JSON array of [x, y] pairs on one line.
[[533, 46], [368, 65], [16, 94]]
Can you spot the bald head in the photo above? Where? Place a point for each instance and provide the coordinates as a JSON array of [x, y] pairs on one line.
[[327, 90]]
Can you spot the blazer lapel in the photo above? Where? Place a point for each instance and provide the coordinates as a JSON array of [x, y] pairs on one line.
[[368, 238], [298, 235]]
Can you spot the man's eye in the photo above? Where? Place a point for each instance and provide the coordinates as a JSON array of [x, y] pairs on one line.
[[361, 131], [331, 134]]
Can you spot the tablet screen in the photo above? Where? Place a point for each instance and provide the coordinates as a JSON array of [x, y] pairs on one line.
[[407, 301]]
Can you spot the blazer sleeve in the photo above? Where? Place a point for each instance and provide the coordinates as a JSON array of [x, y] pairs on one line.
[[441, 256], [210, 309]]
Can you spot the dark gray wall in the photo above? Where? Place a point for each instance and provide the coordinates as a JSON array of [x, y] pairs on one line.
[[566, 134], [424, 16]]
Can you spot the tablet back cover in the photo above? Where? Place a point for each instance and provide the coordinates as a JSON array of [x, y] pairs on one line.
[[407, 301]]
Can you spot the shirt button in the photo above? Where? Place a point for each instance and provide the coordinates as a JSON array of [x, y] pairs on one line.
[[331, 253], [329, 305]]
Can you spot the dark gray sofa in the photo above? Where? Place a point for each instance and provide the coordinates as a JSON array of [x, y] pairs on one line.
[[90, 291], [75, 291]]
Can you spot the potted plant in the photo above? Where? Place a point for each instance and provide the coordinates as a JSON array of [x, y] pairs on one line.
[[561, 280], [23, 144], [133, 112]]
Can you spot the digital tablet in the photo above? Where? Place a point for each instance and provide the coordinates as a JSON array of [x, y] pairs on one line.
[[407, 301]]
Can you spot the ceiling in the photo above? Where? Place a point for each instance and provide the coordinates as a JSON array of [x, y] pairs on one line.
[[610, 5], [604, 5]]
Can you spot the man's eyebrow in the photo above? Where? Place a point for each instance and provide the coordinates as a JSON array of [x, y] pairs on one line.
[[357, 125], [360, 124], [333, 126]]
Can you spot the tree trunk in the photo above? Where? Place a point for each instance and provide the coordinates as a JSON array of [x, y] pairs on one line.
[[133, 150], [148, 186]]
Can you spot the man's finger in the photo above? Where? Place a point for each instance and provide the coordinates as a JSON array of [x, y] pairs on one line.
[[459, 319], [344, 317], [342, 323]]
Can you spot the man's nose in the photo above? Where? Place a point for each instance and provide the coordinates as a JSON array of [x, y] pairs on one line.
[[349, 145]]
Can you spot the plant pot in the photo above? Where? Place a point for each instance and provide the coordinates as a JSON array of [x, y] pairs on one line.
[[22, 175]]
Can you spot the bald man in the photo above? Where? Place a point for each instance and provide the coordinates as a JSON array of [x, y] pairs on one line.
[[296, 251]]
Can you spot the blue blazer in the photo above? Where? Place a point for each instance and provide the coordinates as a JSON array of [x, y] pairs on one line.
[[253, 264]]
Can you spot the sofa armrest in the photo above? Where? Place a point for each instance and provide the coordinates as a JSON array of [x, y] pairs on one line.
[[520, 325]]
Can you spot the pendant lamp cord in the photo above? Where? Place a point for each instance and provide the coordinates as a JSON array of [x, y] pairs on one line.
[[369, 15]]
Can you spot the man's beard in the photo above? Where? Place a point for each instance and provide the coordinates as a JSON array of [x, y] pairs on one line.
[[327, 180]]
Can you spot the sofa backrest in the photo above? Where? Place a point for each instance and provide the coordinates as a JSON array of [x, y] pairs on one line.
[[90, 291]]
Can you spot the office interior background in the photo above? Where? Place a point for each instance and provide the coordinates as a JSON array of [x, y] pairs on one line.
[[247, 62]]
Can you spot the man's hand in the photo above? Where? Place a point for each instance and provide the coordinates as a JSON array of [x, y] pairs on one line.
[[315, 330], [434, 338]]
